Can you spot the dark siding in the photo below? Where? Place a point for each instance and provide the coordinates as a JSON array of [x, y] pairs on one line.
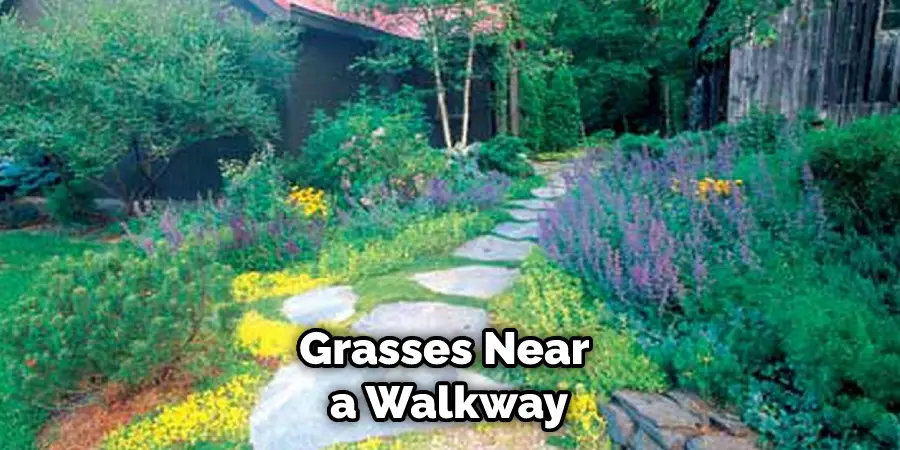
[[322, 80]]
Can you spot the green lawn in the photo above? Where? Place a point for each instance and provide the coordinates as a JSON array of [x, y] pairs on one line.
[[22, 253]]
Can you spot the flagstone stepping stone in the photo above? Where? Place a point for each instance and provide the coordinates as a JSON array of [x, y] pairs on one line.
[[328, 303], [548, 192], [532, 204], [470, 281], [517, 230], [525, 215], [292, 411], [423, 319], [493, 248]]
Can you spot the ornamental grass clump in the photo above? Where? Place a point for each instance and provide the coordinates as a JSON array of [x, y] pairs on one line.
[[114, 316]]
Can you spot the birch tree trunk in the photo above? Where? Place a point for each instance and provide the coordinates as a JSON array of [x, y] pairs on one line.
[[467, 86], [441, 90]]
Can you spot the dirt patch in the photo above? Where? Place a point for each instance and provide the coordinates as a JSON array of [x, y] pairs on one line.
[[84, 427]]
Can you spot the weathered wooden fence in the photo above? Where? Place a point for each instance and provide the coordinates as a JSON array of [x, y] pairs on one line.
[[831, 58]]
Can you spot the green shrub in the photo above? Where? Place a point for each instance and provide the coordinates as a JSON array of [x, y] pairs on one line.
[[71, 203], [114, 316], [562, 122], [371, 141], [256, 187], [548, 302], [760, 131], [505, 154], [631, 144], [155, 78], [534, 98], [859, 169]]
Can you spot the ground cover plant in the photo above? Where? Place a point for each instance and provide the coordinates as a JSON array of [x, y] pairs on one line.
[[727, 263]]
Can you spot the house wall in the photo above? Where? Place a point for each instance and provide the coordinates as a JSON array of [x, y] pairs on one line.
[[830, 58]]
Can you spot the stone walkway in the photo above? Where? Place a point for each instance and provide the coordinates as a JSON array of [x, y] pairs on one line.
[[291, 412]]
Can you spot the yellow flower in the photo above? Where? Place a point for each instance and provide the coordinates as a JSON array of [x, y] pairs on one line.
[[215, 415], [311, 201], [253, 286], [265, 338]]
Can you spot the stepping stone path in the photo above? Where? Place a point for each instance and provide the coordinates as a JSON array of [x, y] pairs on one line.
[[330, 303], [517, 230], [532, 204], [549, 192], [291, 410], [481, 282], [493, 248], [525, 215]]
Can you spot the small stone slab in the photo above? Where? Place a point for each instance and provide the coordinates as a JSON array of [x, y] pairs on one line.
[[481, 282], [517, 230], [548, 192], [328, 303], [493, 248], [525, 215], [291, 413], [423, 319], [533, 204], [656, 410]]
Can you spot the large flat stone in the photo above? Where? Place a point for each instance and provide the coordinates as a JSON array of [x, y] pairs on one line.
[[517, 230], [492, 248], [470, 281], [656, 410], [525, 215], [291, 413], [423, 319], [329, 303], [548, 192], [537, 204]]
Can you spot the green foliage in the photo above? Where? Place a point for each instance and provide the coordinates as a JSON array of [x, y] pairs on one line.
[[22, 179], [355, 260], [650, 144], [368, 142], [111, 316], [505, 154], [548, 302], [534, 97], [71, 203], [256, 187], [92, 83], [859, 167], [761, 131], [562, 121]]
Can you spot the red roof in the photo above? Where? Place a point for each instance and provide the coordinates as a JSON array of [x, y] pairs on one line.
[[405, 24]]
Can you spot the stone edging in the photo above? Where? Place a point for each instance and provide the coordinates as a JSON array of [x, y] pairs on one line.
[[675, 420]]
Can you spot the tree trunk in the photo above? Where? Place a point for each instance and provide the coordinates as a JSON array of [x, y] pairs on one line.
[[441, 91], [700, 85], [467, 87]]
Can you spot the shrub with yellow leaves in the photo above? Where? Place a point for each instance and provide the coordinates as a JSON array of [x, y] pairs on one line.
[[212, 416], [311, 201], [253, 286]]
